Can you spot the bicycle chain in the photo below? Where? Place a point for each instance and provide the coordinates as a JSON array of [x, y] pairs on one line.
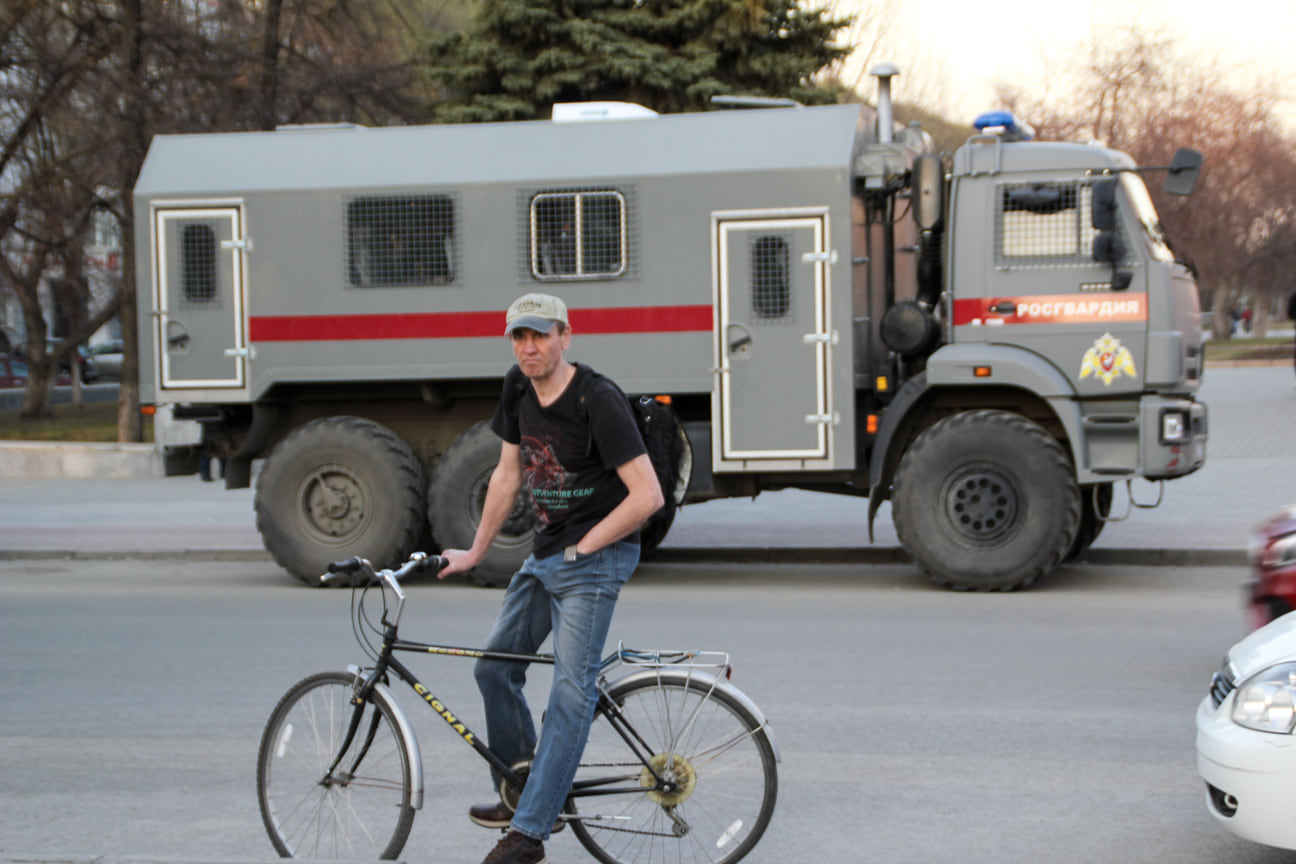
[[601, 827]]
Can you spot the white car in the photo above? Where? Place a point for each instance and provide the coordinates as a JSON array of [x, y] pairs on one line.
[[1246, 749]]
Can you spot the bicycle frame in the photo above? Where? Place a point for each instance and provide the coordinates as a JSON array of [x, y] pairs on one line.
[[386, 663]]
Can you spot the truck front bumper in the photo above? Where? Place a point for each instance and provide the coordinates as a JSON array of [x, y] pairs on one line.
[[1174, 436]]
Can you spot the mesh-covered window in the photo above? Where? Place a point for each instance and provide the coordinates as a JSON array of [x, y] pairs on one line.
[[198, 262], [771, 286], [578, 234], [1044, 225], [401, 240]]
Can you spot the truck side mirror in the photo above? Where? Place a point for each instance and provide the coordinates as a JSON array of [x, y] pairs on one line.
[[1108, 248], [1182, 176], [1103, 214], [928, 191]]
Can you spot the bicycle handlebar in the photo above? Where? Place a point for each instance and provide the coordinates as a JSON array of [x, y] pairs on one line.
[[418, 562]]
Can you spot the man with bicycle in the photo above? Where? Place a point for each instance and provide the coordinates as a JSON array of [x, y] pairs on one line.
[[577, 451]]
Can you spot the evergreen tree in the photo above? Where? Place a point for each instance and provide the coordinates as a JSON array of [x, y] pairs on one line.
[[521, 56]]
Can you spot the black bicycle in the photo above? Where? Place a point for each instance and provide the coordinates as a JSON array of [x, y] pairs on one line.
[[680, 765]]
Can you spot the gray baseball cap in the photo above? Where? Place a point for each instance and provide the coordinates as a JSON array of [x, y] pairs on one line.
[[538, 312]]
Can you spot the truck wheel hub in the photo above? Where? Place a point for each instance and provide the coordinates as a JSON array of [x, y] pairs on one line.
[[333, 502], [981, 504]]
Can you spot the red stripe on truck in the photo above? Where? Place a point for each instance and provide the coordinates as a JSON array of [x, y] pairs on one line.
[[468, 325]]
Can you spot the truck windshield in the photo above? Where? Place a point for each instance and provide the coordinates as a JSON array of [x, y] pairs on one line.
[[1146, 216]]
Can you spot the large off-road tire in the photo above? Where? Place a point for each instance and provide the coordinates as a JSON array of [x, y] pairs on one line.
[[338, 487], [1095, 505], [455, 499], [986, 501]]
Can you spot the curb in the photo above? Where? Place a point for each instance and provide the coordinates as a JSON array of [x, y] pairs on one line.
[[44, 460], [896, 555], [687, 555], [75, 858]]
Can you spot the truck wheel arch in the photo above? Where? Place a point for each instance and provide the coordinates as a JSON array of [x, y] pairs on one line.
[[1022, 382]]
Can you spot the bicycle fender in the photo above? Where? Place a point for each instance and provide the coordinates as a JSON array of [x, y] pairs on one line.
[[406, 732], [711, 680]]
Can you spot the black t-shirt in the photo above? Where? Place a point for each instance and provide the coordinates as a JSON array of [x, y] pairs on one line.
[[570, 454]]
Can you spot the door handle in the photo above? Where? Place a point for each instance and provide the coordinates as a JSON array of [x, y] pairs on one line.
[[1004, 307], [740, 342], [829, 257]]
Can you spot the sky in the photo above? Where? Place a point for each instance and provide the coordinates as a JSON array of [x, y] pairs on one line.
[[980, 43]]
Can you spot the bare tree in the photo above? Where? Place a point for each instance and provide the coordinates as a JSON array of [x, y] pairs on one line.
[[47, 170], [886, 31], [1135, 93], [85, 84]]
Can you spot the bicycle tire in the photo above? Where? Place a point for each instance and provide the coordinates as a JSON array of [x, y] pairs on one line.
[[365, 816], [723, 754]]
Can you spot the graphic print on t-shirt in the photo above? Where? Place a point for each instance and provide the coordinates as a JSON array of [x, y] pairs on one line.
[[550, 485]]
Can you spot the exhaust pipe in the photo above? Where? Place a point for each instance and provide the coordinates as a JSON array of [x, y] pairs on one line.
[[884, 72]]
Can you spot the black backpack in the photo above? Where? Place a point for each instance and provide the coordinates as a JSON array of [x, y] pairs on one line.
[[661, 435]]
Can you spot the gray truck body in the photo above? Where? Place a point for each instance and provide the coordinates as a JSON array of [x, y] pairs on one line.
[[739, 262]]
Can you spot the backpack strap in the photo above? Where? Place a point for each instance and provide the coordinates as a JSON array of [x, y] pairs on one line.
[[585, 392]]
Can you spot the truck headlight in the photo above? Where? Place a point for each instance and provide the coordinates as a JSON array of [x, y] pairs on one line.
[[1175, 427], [1266, 701]]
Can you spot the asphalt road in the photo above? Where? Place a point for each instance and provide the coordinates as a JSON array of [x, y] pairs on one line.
[[915, 725]]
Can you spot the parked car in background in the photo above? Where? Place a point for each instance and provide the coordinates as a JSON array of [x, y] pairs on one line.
[[1246, 751], [108, 358], [13, 373], [89, 369], [1271, 593]]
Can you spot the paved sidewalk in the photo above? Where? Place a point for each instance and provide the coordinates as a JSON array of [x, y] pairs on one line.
[[1250, 473]]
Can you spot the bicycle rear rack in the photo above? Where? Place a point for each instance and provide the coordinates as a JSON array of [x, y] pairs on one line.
[[675, 658]]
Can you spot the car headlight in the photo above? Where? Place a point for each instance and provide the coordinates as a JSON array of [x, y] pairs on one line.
[[1176, 428], [1266, 701], [1280, 552]]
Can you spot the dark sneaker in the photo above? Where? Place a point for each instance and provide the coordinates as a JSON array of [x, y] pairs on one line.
[[516, 848], [490, 815], [498, 816]]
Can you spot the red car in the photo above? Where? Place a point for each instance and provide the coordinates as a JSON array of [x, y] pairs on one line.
[[1272, 553], [13, 373]]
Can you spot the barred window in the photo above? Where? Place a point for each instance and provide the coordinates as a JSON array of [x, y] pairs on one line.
[[198, 262], [401, 240], [578, 235], [770, 276], [1044, 225]]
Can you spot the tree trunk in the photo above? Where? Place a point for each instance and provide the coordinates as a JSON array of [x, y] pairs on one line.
[[129, 426], [1222, 319], [269, 96]]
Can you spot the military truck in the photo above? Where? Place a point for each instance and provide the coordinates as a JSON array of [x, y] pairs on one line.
[[991, 342]]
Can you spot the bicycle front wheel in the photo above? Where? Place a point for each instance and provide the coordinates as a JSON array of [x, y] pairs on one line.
[[361, 809], [716, 757]]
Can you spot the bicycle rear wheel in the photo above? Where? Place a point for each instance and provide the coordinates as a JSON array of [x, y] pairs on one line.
[[362, 811], [716, 753]]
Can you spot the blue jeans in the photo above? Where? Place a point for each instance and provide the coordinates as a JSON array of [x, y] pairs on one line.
[[575, 601]]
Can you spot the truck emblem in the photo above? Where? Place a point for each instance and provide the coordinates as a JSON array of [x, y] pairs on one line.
[[1107, 359]]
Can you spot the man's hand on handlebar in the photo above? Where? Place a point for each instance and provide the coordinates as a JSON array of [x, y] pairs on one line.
[[457, 561]]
